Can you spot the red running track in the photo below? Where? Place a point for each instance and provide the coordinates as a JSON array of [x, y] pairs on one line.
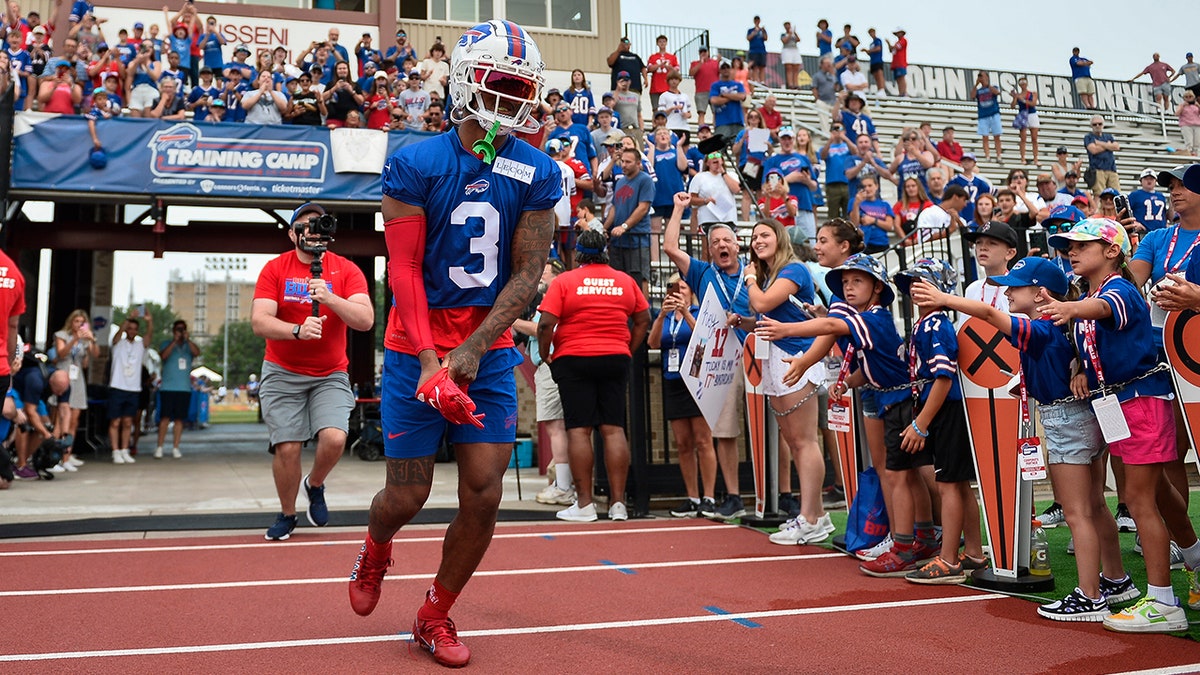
[[654, 596]]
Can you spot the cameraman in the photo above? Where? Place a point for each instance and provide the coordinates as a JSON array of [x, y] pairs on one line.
[[38, 383], [305, 389]]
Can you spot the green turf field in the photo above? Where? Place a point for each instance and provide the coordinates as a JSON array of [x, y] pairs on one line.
[[1063, 565]]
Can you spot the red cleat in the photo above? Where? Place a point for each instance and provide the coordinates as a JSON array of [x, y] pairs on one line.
[[366, 579], [440, 637]]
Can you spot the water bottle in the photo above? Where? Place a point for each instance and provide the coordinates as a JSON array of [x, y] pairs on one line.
[[1039, 551]]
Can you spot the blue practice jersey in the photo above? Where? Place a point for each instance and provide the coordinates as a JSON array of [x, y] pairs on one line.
[[877, 352], [1046, 354], [857, 125], [1124, 343], [789, 310], [975, 186], [1149, 209], [1079, 70], [787, 163], [471, 211], [584, 150], [935, 346]]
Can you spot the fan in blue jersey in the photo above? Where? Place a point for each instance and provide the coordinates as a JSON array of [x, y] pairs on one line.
[[1149, 206], [468, 221]]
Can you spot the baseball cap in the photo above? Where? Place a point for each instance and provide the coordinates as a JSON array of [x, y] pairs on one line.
[[203, 70], [217, 103], [703, 127], [1148, 173], [1064, 214], [369, 64], [1092, 229], [1071, 174], [613, 137], [562, 105], [1081, 199], [553, 146], [1110, 192], [101, 46], [57, 63], [242, 48], [661, 112], [1164, 177], [39, 30], [382, 75], [307, 207], [1188, 55], [703, 49], [725, 64], [1191, 179], [99, 91], [623, 75], [604, 109], [112, 74], [138, 25], [1034, 271], [996, 230], [854, 96], [412, 75], [1062, 150], [898, 31], [786, 131], [552, 90], [969, 155]]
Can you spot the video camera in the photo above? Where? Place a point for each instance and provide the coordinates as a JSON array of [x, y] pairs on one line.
[[321, 227]]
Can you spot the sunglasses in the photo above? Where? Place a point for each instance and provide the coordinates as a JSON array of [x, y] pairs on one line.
[[1059, 227]]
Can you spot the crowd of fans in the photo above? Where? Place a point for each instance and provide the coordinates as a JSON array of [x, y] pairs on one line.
[[193, 71]]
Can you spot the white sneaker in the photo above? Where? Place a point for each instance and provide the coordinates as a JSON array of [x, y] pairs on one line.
[[176, 453], [1148, 616], [128, 457], [869, 554], [69, 467], [552, 494], [118, 456], [799, 531], [57, 468], [576, 514], [75, 461], [617, 511], [158, 452], [826, 524]]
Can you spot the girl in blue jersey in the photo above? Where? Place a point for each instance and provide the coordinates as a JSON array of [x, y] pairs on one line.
[[1074, 444], [866, 332], [779, 287], [1112, 333], [872, 214]]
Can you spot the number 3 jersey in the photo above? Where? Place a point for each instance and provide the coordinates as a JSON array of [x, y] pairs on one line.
[[471, 212]]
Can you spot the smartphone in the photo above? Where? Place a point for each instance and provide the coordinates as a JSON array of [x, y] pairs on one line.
[[1037, 239], [1121, 203]]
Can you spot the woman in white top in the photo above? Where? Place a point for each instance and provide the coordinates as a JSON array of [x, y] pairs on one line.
[[789, 56], [713, 192], [74, 348]]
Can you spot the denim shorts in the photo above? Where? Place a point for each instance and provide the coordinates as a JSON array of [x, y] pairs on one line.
[[1072, 433], [989, 126]]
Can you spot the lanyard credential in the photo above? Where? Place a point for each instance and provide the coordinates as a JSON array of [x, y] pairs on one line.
[[725, 291], [1168, 268]]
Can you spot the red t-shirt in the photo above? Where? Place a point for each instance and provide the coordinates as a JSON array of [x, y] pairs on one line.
[[12, 302], [950, 151], [659, 66], [593, 304], [581, 172], [900, 56], [378, 117], [709, 72], [772, 119], [778, 208], [285, 280]]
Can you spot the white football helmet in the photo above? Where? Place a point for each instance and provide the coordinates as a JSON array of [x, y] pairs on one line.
[[496, 76]]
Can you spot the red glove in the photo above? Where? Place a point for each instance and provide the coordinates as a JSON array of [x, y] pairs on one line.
[[447, 398]]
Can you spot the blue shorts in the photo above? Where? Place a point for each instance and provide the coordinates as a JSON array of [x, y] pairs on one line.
[[870, 405], [989, 126], [899, 72], [122, 403], [1072, 433], [414, 429]]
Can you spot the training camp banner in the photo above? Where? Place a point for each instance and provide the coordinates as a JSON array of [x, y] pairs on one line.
[[156, 157]]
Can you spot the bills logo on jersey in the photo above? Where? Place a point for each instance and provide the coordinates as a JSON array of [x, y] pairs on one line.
[[478, 187]]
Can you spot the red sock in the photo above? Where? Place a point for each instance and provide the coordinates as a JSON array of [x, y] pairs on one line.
[[377, 550], [438, 602]]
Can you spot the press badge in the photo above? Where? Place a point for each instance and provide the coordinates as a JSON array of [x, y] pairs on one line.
[[1111, 418], [1033, 465], [838, 418], [673, 360]]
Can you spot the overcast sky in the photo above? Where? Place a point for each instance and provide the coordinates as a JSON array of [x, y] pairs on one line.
[[1034, 37]]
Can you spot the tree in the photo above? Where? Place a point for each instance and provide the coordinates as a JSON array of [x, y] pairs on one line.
[[246, 352], [164, 317]]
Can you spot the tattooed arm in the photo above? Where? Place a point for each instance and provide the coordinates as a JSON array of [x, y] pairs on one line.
[[531, 245]]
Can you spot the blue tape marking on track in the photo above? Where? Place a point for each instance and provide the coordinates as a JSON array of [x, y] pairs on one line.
[[743, 622], [548, 537], [622, 570]]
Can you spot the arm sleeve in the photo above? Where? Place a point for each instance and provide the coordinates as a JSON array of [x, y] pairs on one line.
[[405, 239]]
